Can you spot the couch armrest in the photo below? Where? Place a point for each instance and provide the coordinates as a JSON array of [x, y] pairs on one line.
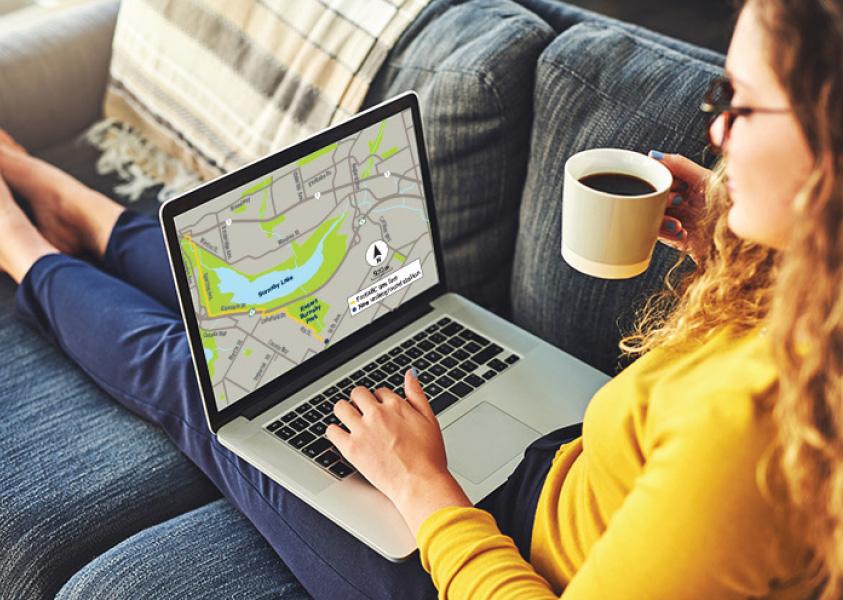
[[53, 73]]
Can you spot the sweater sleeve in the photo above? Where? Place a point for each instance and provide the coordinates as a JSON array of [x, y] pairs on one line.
[[694, 525], [468, 557]]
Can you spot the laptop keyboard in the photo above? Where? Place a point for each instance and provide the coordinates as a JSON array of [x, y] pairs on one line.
[[450, 359]]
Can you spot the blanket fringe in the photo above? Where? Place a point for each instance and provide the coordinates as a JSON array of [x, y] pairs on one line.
[[137, 162]]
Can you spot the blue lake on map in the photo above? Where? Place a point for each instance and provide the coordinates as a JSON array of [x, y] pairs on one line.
[[271, 286]]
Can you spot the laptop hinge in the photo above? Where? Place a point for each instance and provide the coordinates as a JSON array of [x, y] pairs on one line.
[[321, 368]]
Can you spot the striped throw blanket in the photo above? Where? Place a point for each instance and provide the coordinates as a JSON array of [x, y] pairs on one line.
[[199, 87]]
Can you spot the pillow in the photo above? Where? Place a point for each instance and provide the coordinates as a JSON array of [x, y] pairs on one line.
[[597, 85], [472, 64]]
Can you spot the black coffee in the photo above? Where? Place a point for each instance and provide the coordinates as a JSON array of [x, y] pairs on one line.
[[619, 184]]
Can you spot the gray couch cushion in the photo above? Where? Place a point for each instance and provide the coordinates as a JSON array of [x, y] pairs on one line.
[[598, 85], [472, 64]]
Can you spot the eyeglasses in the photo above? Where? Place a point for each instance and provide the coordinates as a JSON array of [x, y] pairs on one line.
[[717, 103]]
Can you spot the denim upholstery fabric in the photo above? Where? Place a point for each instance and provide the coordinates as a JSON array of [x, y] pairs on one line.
[[79, 472], [210, 552], [598, 85], [561, 16], [472, 63]]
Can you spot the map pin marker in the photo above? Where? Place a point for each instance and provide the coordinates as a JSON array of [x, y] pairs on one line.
[[387, 174], [228, 222], [316, 195]]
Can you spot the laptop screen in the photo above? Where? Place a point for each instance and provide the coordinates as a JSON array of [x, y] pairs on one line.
[[301, 258]]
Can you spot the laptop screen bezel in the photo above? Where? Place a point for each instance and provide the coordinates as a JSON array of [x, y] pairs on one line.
[[261, 167]]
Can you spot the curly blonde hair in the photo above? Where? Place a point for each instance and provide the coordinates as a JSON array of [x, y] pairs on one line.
[[798, 291]]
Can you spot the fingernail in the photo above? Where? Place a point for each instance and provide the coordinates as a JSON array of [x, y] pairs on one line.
[[670, 226], [677, 201], [655, 154], [413, 371]]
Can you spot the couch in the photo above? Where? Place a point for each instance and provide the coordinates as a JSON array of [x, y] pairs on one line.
[[97, 503]]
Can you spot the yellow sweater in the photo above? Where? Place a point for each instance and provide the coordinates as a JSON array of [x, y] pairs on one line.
[[657, 500]]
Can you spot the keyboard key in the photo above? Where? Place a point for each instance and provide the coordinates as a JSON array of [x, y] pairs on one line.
[[445, 348], [432, 389], [460, 389], [274, 425], [344, 383], [302, 440], [390, 367], [452, 329], [475, 380], [395, 380], [339, 396], [370, 367], [326, 408], [300, 410], [407, 343], [289, 417], [489, 374], [377, 375], [449, 362], [316, 448], [314, 416], [299, 424], [285, 433], [437, 338], [457, 341], [512, 359], [317, 399], [395, 351], [456, 373], [331, 420], [433, 356], [340, 469], [487, 354], [442, 401], [402, 361], [443, 321], [421, 364], [318, 428], [472, 347], [431, 328], [414, 352], [425, 377], [330, 391], [328, 458], [383, 358], [445, 381], [497, 365], [468, 366], [366, 383], [358, 375], [426, 345], [479, 339], [420, 336], [438, 370]]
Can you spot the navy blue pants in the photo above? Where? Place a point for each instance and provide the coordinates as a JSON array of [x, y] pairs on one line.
[[120, 322]]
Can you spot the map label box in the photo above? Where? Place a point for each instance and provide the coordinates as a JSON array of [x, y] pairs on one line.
[[383, 288]]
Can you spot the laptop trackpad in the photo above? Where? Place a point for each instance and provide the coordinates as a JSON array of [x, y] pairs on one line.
[[483, 440]]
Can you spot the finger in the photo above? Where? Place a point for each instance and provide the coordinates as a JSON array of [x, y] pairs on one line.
[[415, 394], [347, 414], [364, 399], [339, 437], [675, 200], [671, 227], [387, 396], [683, 169]]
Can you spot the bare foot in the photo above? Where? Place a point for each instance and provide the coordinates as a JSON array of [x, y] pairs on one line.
[[21, 244], [71, 216]]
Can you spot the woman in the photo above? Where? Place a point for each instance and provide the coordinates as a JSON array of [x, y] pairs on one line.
[[709, 468]]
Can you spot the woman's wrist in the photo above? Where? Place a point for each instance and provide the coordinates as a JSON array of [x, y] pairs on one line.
[[426, 495]]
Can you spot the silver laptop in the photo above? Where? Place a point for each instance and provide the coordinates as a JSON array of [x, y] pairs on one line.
[[319, 268]]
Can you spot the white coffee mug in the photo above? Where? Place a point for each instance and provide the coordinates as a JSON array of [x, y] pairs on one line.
[[607, 235]]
